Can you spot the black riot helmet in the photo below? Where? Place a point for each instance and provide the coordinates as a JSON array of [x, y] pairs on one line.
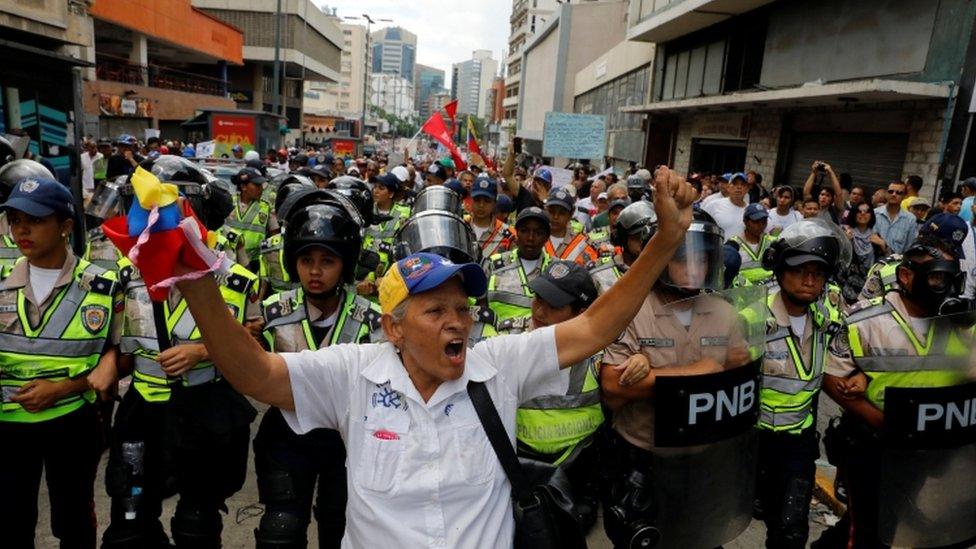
[[438, 197], [637, 218], [288, 184], [809, 240], [7, 152], [357, 191], [437, 232], [12, 172], [698, 264], [327, 224], [210, 197]]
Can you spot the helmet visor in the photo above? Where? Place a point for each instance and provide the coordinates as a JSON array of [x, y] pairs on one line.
[[105, 201], [441, 233], [438, 197], [698, 264]]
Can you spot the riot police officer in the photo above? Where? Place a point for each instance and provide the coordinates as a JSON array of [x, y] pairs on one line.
[[804, 317], [631, 230], [322, 244], [753, 243], [567, 238], [680, 331], [893, 345], [180, 428], [271, 269], [11, 173], [57, 322]]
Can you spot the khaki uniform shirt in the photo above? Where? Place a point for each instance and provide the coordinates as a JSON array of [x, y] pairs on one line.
[[20, 278], [777, 361], [658, 334], [881, 331]]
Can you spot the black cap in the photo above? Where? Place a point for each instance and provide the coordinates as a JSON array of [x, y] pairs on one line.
[[389, 181], [565, 283], [250, 175], [532, 212]]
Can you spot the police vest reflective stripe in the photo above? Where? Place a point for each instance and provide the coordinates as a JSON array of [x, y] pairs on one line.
[[139, 331], [752, 269], [9, 254], [271, 265], [556, 424], [252, 224], [288, 328], [577, 249], [66, 344], [506, 303], [787, 400], [939, 362], [387, 230], [493, 241]]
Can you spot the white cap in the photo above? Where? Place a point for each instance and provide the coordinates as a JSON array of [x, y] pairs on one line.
[[352, 170], [601, 196], [252, 155], [401, 173]]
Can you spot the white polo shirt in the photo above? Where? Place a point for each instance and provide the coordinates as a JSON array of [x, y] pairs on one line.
[[421, 474]]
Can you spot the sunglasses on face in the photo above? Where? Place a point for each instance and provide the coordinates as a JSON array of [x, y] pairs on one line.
[[895, 191]]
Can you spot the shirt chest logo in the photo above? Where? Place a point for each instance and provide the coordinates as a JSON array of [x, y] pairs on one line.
[[93, 318], [386, 397]]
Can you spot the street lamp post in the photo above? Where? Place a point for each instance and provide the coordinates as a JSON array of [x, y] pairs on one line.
[[366, 78]]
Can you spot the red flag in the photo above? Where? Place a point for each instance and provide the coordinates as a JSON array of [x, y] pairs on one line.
[[451, 110], [473, 146], [435, 127]]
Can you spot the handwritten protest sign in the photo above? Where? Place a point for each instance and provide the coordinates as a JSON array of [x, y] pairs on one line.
[[570, 135]]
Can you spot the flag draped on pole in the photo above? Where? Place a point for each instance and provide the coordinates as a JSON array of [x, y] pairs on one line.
[[435, 127], [473, 146], [451, 110]]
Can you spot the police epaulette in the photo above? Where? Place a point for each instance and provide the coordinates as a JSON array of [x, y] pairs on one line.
[[239, 283], [371, 318], [517, 323], [232, 236], [486, 315], [95, 283], [278, 305], [125, 275], [497, 261]]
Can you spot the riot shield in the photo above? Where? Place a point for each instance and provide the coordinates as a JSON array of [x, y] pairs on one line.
[[927, 492], [705, 440]]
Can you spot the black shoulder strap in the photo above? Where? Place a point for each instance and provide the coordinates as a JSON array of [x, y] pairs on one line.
[[498, 437]]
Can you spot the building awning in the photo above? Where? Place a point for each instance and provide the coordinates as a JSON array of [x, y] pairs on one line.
[[811, 95]]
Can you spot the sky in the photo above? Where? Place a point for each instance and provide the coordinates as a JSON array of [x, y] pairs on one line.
[[447, 30]]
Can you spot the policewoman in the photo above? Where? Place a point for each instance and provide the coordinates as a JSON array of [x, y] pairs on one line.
[[494, 236], [56, 325], [180, 428], [567, 239], [11, 173], [322, 244], [804, 317], [422, 472], [271, 261]]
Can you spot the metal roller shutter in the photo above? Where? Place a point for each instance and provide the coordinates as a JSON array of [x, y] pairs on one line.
[[872, 159]]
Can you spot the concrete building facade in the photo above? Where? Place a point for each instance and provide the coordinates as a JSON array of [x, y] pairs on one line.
[[527, 17], [471, 83], [573, 38], [773, 86], [310, 50]]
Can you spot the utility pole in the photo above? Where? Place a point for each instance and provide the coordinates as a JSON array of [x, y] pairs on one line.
[[277, 53], [367, 81]]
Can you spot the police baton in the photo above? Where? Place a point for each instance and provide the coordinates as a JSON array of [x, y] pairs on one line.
[[162, 335]]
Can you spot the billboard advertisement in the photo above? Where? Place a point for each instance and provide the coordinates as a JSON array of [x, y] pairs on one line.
[[228, 130]]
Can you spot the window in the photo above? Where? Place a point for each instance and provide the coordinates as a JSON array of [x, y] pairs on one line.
[[723, 58], [628, 89]]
